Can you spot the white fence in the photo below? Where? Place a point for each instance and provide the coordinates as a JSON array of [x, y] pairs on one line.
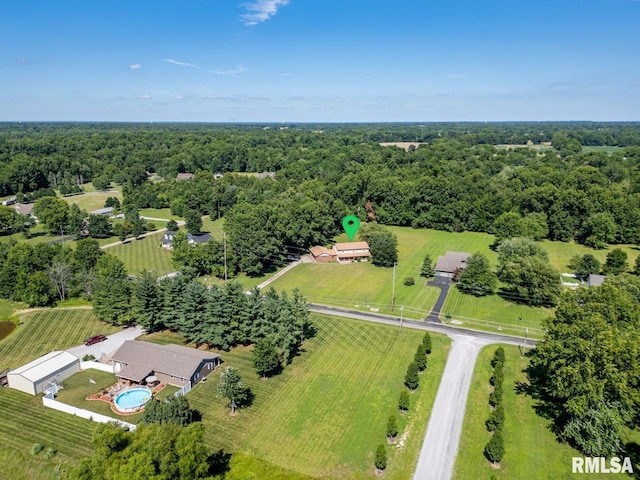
[[48, 401], [183, 390], [96, 366]]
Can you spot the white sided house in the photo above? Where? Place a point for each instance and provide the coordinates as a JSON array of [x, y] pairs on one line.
[[35, 377], [172, 364], [352, 252]]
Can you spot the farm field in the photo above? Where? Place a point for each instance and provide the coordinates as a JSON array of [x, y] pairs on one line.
[[531, 449], [493, 313], [327, 412], [45, 330], [144, 254]]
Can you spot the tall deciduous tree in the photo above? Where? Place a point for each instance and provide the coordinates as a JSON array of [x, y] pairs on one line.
[[616, 261], [383, 244], [585, 265], [53, 212], [232, 388], [477, 277]]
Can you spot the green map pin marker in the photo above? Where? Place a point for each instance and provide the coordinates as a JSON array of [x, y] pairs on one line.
[[351, 224]]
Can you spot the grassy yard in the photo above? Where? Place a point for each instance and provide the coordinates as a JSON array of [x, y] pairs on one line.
[[327, 412], [493, 313], [45, 330], [93, 199], [561, 252], [145, 253], [531, 449], [601, 148]]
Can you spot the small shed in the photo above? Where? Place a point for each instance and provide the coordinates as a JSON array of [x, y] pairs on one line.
[[36, 376]]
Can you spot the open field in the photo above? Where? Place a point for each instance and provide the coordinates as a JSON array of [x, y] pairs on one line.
[[145, 253], [158, 213], [93, 199], [601, 148], [493, 313], [531, 449], [327, 412], [43, 331], [561, 252]]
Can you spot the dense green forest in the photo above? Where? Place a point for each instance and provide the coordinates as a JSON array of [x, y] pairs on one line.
[[461, 177]]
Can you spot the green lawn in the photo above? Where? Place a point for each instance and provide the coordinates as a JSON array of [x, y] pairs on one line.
[[42, 331], [561, 252], [158, 213], [93, 199], [531, 449], [145, 253], [327, 412], [601, 148], [493, 313], [8, 308]]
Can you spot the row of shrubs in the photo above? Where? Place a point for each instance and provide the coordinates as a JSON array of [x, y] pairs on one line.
[[494, 450], [412, 382]]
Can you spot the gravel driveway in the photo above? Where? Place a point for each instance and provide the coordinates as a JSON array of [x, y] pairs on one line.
[[110, 345], [440, 445]]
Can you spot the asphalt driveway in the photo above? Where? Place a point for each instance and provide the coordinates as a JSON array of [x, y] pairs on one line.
[[106, 348]]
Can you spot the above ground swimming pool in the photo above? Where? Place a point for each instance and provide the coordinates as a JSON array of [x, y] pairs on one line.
[[132, 399]]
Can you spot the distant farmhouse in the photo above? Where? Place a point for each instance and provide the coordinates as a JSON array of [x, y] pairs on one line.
[[167, 239], [35, 377], [184, 176], [172, 364], [450, 263]]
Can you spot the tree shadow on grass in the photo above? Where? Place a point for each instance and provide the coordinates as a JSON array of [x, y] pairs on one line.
[[219, 463]]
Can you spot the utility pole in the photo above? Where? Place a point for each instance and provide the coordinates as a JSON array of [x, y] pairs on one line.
[[224, 242], [393, 288]]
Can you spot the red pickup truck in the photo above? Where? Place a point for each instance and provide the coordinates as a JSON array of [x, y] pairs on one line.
[[95, 339]]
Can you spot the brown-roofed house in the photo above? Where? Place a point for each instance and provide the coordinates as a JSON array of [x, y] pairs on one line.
[[172, 364], [352, 251], [184, 176], [450, 263], [322, 254]]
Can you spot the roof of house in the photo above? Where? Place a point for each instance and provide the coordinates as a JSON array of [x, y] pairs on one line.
[[318, 250], [340, 247], [45, 365], [142, 358], [595, 280], [201, 238], [184, 176], [24, 208], [451, 261], [103, 211]]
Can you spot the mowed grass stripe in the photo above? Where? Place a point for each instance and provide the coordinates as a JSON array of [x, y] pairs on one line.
[[144, 254], [327, 412], [43, 331]]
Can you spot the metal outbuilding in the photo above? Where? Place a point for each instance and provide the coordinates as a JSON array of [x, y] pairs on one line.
[[36, 376]]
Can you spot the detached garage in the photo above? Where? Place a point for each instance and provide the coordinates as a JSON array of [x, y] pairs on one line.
[[35, 377]]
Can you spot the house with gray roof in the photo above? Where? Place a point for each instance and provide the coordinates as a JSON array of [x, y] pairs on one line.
[[594, 280], [450, 263], [171, 364], [192, 239]]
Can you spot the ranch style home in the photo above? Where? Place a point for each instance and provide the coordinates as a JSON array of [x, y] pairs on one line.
[[450, 263], [322, 254], [171, 364]]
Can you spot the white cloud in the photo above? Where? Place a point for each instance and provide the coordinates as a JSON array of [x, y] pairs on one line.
[[182, 64], [261, 10], [135, 66], [232, 72], [144, 97]]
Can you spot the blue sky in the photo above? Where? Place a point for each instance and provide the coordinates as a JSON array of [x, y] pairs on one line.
[[320, 60]]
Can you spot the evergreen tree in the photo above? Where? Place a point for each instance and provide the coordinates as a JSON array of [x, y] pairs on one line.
[[111, 294], [380, 459], [404, 402], [427, 270], [193, 221], [426, 341], [265, 358], [411, 379], [146, 303], [172, 225], [392, 427], [494, 450], [420, 358], [498, 357], [495, 422]]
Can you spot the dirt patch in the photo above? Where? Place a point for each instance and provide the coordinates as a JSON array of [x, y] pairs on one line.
[[403, 145]]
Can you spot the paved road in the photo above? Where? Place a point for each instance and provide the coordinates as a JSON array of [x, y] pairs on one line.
[[440, 446], [110, 345]]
